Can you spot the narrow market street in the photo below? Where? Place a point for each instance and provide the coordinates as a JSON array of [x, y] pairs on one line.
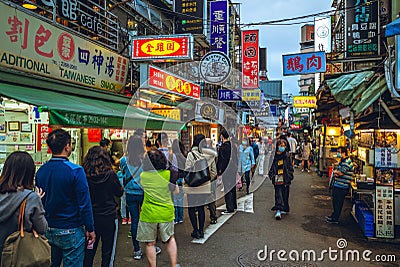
[[238, 241]]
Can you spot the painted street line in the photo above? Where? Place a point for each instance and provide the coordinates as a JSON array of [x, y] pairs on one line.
[[245, 204], [212, 228]]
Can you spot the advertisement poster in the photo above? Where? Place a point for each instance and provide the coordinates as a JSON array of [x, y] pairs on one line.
[[384, 212], [250, 59], [192, 16]]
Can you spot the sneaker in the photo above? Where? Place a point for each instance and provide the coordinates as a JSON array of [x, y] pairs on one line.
[[175, 222], [129, 221], [283, 212], [130, 234], [308, 171], [278, 215], [330, 220], [158, 250], [213, 221], [137, 255], [181, 221], [124, 221], [302, 170]]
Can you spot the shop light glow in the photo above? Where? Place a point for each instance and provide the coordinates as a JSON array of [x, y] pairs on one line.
[[29, 4]]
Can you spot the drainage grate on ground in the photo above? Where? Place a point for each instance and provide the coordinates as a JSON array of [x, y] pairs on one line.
[[249, 259]]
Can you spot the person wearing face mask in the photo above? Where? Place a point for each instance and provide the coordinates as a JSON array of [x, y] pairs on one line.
[[246, 161], [343, 176], [281, 174]]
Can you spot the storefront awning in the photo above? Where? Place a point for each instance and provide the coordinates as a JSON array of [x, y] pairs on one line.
[[356, 91], [393, 28], [80, 111]]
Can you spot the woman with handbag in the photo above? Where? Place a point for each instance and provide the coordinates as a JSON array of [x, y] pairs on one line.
[[16, 187], [103, 186], [281, 174], [199, 196]]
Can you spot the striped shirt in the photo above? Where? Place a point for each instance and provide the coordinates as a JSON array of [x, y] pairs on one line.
[[347, 168]]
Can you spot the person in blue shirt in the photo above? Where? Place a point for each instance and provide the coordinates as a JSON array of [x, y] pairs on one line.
[[246, 162], [66, 202], [343, 176]]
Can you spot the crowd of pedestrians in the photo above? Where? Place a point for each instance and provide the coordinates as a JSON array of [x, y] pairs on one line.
[[75, 207]]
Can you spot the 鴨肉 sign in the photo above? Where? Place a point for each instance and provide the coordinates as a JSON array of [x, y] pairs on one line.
[[297, 64]]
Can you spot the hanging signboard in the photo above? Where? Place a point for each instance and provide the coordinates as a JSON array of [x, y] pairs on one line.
[[229, 95], [251, 95], [362, 36], [162, 47], [397, 73], [387, 149], [250, 59], [305, 102], [192, 16], [298, 64], [219, 29], [171, 83], [384, 212], [34, 46], [215, 67]]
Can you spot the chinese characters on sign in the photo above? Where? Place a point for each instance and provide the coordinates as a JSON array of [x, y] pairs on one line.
[[192, 16], [305, 102], [229, 95], [251, 95], [168, 82], [304, 63], [219, 30], [37, 47], [384, 212], [384, 157], [162, 47], [250, 64], [362, 28]]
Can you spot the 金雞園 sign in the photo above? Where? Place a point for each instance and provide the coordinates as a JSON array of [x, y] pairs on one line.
[[305, 102], [162, 47], [34, 46], [250, 64], [297, 64], [168, 82]]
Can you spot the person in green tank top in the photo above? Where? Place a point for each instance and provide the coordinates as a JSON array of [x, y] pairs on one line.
[[158, 208]]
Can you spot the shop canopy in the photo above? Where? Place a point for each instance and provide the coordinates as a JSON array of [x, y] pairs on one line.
[[356, 91], [393, 28], [85, 111]]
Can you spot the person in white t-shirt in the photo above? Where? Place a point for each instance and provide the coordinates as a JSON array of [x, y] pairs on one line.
[[293, 144]]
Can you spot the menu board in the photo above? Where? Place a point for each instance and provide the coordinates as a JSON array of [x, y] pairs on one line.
[[387, 149], [384, 211]]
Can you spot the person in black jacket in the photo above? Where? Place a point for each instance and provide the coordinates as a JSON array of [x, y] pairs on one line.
[[104, 186], [227, 168], [281, 174]]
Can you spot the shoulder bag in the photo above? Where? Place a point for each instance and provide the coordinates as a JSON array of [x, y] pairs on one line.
[[199, 173], [127, 180], [24, 248]]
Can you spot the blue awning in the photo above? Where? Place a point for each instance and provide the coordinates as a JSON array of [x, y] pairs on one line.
[[393, 28]]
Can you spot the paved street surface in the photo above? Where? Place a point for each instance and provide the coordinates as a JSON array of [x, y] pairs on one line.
[[238, 238]]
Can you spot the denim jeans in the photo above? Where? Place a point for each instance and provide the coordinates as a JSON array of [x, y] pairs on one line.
[[123, 206], [178, 205], [67, 246], [134, 203]]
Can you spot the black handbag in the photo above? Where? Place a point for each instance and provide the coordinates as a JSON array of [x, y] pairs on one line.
[[199, 173]]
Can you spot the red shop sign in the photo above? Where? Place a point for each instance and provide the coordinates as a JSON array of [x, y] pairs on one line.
[[250, 64], [169, 82], [162, 47]]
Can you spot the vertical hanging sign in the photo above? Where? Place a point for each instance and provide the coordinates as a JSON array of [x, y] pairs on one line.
[[384, 212], [250, 67], [219, 30]]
